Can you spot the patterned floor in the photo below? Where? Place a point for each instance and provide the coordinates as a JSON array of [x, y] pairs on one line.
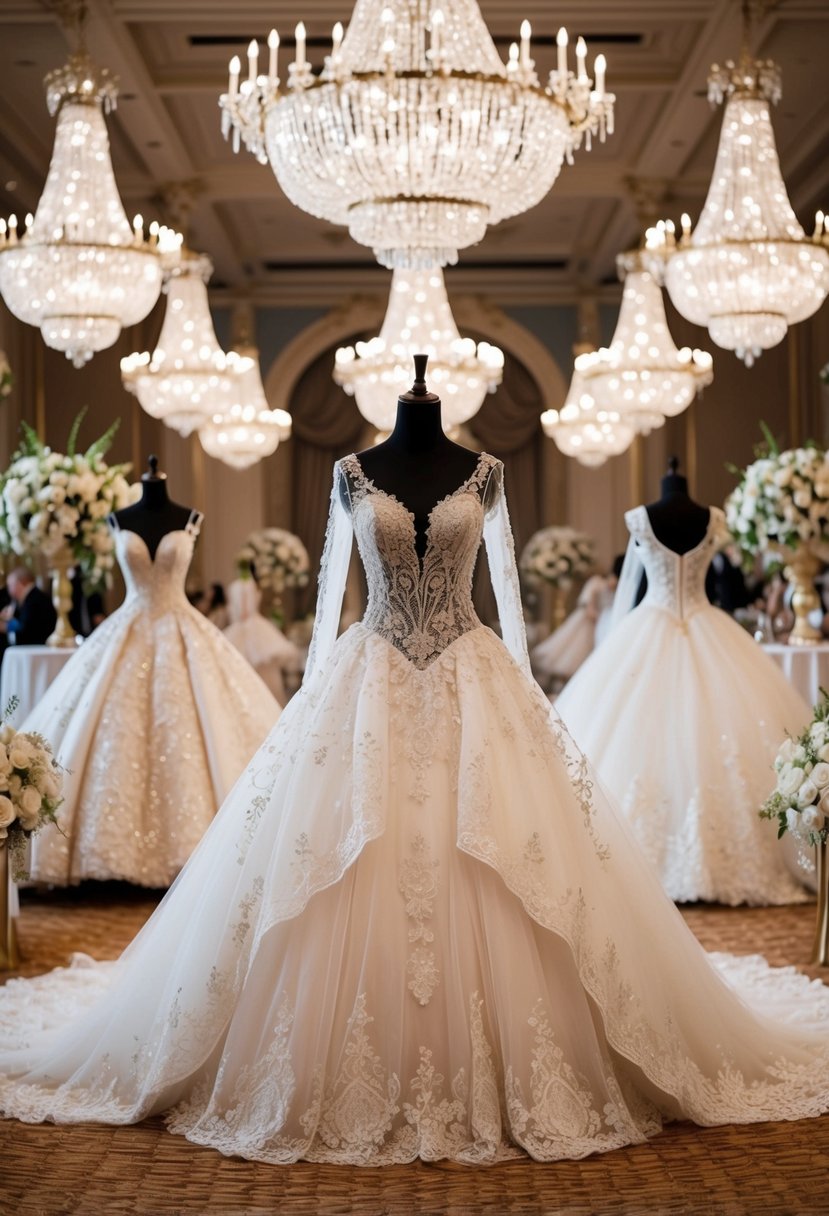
[[780, 1168]]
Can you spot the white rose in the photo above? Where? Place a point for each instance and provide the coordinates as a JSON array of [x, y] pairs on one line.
[[811, 819], [823, 753], [7, 812], [807, 793], [51, 786], [785, 754], [789, 780], [793, 820], [20, 754], [818, 733], [820, 775], [29, 804], [824, 803], [803, 498]]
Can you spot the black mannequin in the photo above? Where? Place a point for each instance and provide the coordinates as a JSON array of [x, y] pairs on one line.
[[417, 463], [677, 521], [155, 514]]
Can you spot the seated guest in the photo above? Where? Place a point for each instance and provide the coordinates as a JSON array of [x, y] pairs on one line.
[[30, 617]]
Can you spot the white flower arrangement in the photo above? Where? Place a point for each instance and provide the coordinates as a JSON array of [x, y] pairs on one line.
[[49, 501], [782, 502], [557, 555], [800, 802], [31, 783], [276, 557], [6, 377]]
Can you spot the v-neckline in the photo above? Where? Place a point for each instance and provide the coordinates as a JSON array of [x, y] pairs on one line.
[[371, 487], [152, 556]]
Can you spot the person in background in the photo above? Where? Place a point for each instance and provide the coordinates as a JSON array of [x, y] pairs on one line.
[[197, 599], [30, 617], [87, 610], [216, 610]]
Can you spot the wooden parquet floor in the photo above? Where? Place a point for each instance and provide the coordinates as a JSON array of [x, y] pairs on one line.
[[778, 1168]]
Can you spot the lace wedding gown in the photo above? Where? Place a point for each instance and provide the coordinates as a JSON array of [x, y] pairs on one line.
[[262, 643], [415, 929], [681, 715], [564, 651], [153, 718]]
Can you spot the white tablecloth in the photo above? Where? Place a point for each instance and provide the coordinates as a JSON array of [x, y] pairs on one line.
[[805, 667], [26, 674]]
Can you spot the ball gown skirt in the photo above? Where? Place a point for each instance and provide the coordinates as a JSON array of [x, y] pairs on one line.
[[416, 928], [153, 718], [681, 714]]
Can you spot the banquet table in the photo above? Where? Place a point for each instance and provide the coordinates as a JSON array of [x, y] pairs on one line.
[[26, 673], [805, 667]]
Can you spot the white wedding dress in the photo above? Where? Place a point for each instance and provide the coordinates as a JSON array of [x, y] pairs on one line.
[[681, 715], [153, 718], [416, 929], [563, 652], [262, 643]]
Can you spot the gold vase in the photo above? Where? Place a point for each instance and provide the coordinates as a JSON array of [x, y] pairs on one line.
[[801, 570], [9, 951], [63, 636], [820, 950]]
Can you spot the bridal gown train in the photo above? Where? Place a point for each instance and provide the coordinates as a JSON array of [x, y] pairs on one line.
[[153, 718], [416, 928], [681, 715]]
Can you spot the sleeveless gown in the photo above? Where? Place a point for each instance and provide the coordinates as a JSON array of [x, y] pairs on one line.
[[681, 715], [415, 929], [153, 718]]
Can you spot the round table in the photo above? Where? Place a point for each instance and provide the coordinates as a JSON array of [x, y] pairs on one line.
[[805, 667], [26, 673]]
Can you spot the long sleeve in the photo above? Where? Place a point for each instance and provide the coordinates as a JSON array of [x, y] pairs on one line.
[[336, 556], [503, 571]]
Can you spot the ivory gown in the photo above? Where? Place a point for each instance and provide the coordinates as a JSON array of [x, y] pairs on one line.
[[416, 929], [681, 715], [153, 718]]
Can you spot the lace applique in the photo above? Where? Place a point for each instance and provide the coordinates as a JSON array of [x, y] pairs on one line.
[[418, 886], [359, 1109], [421, 608]]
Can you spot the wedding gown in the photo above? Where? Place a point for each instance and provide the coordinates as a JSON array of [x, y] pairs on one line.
[[153, 718], [681, 715], [264, 646], [564, 651], [416, 929]]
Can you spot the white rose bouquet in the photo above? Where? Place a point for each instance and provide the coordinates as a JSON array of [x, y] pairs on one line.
[[557, 555], [278, 559], [782, 501], [800, 802], [49, 500], [31, 782]]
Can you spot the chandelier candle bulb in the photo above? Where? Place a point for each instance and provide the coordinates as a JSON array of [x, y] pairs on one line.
[[235, 67], [581, 61], [685, 221], [336, 38], [273, 51], [300, 45], [600, 68], [253, 60], [818, 233], [437, 30], [561, 52], [526, 34]]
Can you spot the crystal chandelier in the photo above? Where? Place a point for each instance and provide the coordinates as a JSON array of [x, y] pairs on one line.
[[248, 430], [748, 270], [188, 378], [415, 134], [642, 374], [79, 271], [584, 430], [418, 319]]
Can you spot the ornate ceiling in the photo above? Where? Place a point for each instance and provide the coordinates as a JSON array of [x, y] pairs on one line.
[[172, 57]]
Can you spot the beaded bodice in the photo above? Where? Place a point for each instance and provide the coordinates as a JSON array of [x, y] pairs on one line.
[[420, 606], [157, 583], [676, 581]]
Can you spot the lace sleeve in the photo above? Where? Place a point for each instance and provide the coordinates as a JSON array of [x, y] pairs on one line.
[[336, 556], [500, 552]]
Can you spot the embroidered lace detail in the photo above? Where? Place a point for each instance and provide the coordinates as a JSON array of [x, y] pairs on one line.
[[357, 1112], [676, 582], [418, 886], [420, 608]]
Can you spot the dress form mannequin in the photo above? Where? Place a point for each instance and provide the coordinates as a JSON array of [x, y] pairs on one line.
[[155, 514], [677, 521], [417, 463]]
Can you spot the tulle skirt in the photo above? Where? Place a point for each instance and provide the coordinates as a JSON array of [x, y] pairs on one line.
[[416, 929], [681, 721], [153, 719], [267, 650]]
